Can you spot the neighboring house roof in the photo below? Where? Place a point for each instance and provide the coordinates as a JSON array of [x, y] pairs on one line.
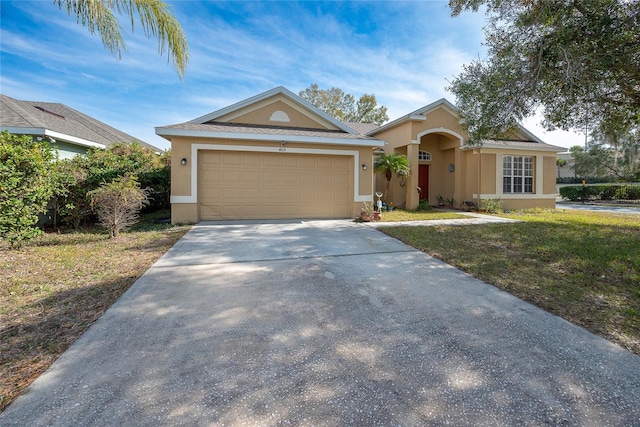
[[212, 125], [59, 122]]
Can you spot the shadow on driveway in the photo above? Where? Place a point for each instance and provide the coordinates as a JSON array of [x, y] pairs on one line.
[[326, 323]]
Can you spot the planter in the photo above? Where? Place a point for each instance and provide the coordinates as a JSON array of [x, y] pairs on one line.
[[366, 217]]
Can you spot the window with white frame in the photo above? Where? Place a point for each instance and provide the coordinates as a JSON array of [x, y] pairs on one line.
[[517, 174], [424, 155]]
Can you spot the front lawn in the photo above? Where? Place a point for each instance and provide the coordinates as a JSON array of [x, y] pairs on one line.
[[582, 266], [55, 287], [399, 215]]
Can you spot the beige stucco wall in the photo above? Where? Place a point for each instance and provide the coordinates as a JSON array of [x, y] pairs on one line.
[[549, 175], [297, 118], [184, 213]]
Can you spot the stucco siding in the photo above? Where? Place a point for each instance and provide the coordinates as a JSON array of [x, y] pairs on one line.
[[263, 116], [549, 185]]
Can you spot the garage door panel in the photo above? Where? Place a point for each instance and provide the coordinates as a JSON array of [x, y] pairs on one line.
[[247, 185]]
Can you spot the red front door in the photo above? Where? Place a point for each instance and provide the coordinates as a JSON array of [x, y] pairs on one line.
[[423, 181]]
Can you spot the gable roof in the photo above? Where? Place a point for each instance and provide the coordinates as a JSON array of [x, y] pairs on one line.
[[214, 125], [420, 114], [280, 90], [61, 122]]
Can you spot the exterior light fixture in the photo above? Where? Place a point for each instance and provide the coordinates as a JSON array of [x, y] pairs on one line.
[[183, 162], [364, 167]]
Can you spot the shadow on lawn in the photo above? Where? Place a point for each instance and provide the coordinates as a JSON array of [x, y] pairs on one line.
[[29, 344]]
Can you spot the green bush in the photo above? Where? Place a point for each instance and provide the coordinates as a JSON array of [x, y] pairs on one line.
[[28, 180], [423, 205], [100, 166], [493, 206], [602, 192]]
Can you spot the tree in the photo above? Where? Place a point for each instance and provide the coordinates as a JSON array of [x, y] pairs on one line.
[[389, 164], [344, 107], [154, 16], [609, 155], [27, 183], [559, 164], [118, 203], [576, 62]]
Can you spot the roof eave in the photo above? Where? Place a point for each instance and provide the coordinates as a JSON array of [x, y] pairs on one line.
[[53, 134], [543, 147], [168, 132]]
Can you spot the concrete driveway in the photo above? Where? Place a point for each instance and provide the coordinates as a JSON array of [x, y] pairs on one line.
[[326, 323]]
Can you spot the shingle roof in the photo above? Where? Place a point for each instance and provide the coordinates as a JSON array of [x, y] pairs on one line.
[[522, 145], [362, 128], [264, 130], [62, 119], [267, 133]]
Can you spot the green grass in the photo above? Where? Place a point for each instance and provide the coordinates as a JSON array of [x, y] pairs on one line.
[[56, 286], [399, 215], [582, 266]]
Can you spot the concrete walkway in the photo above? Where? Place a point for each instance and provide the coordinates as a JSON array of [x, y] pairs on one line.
[[326, 323]]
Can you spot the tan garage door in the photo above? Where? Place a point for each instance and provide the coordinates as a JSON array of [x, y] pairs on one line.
[[246, 185]]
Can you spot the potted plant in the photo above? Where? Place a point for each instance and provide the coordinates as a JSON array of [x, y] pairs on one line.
[[366, 213]]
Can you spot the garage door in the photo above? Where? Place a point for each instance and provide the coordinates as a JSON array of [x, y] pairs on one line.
[[246, 185]]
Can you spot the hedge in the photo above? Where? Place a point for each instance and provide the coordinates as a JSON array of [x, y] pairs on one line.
[[600, 192]]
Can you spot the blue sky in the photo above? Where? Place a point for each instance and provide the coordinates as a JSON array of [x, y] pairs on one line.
[[403, 52]]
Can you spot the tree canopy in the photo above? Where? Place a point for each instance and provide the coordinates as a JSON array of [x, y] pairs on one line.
[[576, 62], [344, 107], [154, 16]]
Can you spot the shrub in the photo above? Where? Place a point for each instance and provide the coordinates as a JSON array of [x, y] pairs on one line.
[[423, 205], [27, 183], [493, 206], [118, 203], [602, 192], [99, 166]]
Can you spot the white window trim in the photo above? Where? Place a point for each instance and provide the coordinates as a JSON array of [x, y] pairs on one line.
[[533, 177], [538, 179], [427, 155]]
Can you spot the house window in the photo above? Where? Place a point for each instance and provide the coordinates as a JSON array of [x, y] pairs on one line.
[[424, 155], [517, 174]]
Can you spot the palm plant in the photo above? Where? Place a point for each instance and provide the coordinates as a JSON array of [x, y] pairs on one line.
[[389, 164], [155, 19]]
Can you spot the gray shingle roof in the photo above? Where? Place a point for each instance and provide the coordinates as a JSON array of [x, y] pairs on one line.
[[62, 119], [363, 128], [265, 130], [522, 144]]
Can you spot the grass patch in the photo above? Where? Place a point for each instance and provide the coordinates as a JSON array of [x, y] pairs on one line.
[[582, 266], [56, 286], [398, 215]]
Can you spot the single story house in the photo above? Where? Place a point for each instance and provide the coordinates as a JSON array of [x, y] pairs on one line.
[[276, 156], [70, 131]]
